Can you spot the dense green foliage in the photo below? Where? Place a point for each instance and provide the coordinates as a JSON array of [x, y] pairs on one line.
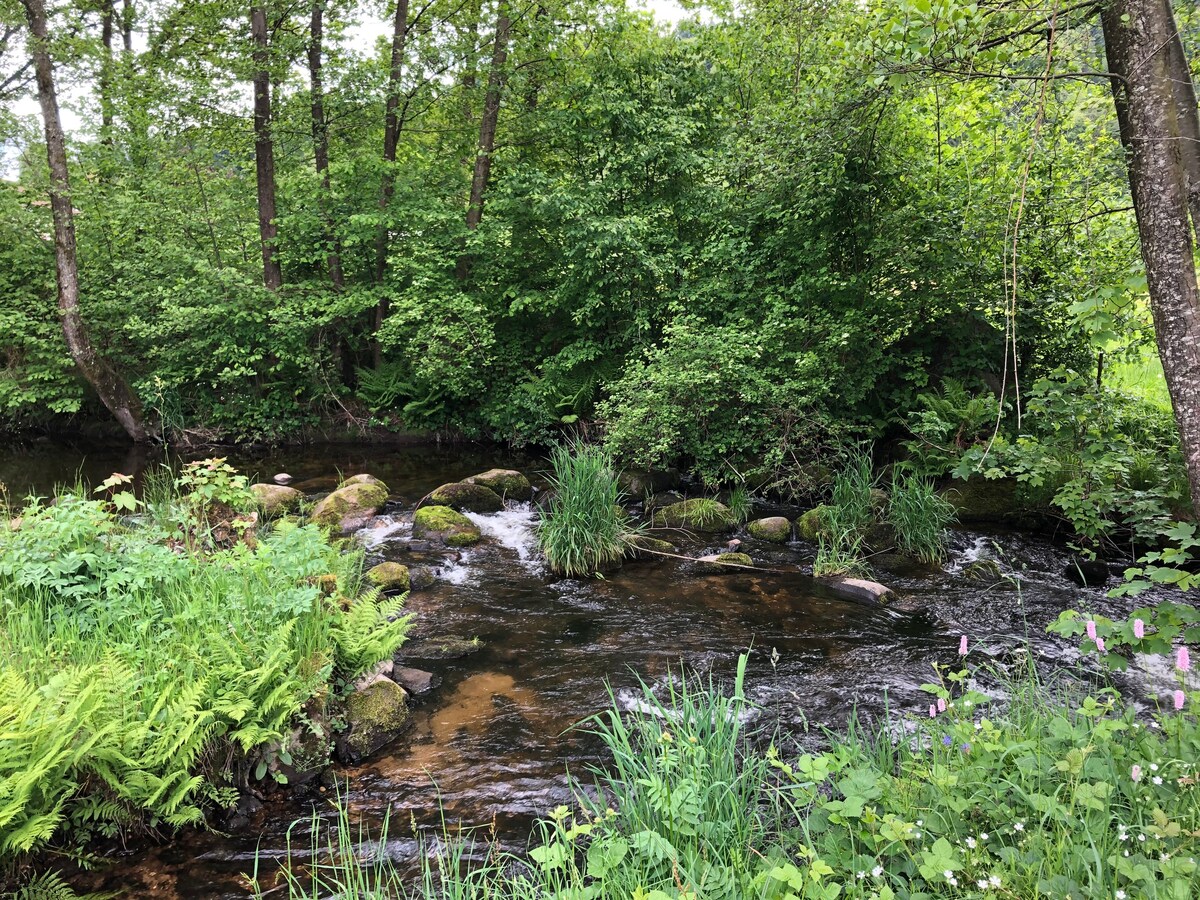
[[1053, 791], [584, 529], [151, 667], [734, 243]]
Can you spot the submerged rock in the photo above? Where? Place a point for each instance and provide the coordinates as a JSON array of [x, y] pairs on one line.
[[641, 546], [697, 514], [463, 497], [275, 499], [351, 505], [723, 563], [774, 529], [506, 482], [390, 576], [444, 524], [375, 716], [448, 647], [1087, 572]]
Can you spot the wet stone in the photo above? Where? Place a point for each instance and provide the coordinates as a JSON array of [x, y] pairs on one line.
[[415, 681]]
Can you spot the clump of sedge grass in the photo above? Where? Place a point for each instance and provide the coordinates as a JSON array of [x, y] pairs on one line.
[[920, 516], [583, 530]]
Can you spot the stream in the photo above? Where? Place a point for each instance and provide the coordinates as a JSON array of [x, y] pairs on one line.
[[491, 745]]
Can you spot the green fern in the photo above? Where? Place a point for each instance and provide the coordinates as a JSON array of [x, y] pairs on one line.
[[370, 631]]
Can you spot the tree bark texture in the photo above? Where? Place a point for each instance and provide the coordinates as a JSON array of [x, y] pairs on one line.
[[112, 389], [320, 135], [1137, 38], [264, 148], [107, 17], [487, 124]]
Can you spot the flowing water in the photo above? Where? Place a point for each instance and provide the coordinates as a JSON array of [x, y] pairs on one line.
[[491, 745]]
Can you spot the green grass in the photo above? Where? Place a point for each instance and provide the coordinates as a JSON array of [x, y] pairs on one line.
[[741, 505], [920, 516], [1034, 795], [583, 530], [1142, 376]]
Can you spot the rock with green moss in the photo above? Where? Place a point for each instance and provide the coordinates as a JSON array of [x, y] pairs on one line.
[[980, 499], [362, 478], [390, 576], [815, 523], [506, 482], [443, 524], [463, 497], [773, 529], [639, 484], [641, 546], [276, 500], [440, 648], [376, 714], [697, 514], [349, 507], [723, 563]]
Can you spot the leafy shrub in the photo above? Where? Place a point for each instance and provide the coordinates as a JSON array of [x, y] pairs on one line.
[[583, 529]]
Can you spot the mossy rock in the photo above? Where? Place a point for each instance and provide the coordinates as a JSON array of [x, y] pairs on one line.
[[420, 578], [880, 536], [439, 648], [980, 499], [390, 576], [376, 715], [276, 500], [815, 524], [363, 478], [638, 483], [350, 504], [506, 482], [464, 497], [773, 529], [986, 570], [697, 514], [723, 563], [641, 546], [879, 502], [444, 524]]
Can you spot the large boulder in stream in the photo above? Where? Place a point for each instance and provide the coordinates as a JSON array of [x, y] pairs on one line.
[[464, 497], [638, 484], [350, 506], [275, 499], [861, 590], [697, 514], [376, 714], [773, 529], [507, 483], [443, 524], [815, 524], [390, 576]]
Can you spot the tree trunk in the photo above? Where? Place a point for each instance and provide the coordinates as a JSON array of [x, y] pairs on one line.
[[127, 25], [487, 132], [392, 126], [112, 389], [107, 15], [264, 149], [1184, 93], [321, 143], [1137, 35]]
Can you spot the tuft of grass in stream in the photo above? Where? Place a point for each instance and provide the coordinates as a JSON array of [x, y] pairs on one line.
[[583, 531], [1058, 790]]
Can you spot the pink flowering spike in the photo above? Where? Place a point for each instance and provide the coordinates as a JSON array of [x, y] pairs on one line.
[[1100, 645], [941, 704], [1180, 699], [1183, 661], [932, 711], [1091, 629], [1136, 773], [1139, 629], [962, 646]]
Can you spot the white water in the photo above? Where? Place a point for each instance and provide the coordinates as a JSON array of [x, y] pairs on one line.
[[388, 528], [515, 529]]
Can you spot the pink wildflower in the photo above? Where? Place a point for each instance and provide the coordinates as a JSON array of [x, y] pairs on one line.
[[1139, 629], [932, 711], [1180, 698], [941, 704], [962, 646], [1100, 645], [1091, 629], [1136, 773], [1183, 661]]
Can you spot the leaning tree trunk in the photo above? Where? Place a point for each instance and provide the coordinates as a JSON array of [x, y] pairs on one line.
[[264, 149], [487, 132], [1137, 35], [1184, 94], [112, 389], [320, 135]]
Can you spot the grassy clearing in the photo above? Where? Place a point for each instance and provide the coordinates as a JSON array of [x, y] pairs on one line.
[[1055, 792], [151, 667], [583, 531]]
